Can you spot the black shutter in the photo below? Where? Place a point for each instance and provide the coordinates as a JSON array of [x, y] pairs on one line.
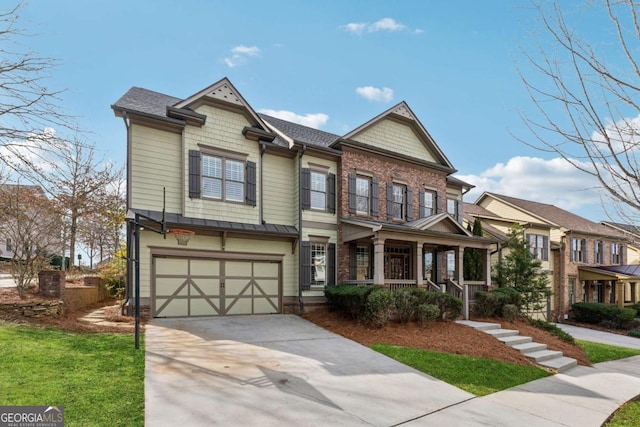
[[375, 198], [459, 212], [331, 191], [331, 264], [305, 189], [422, 203], [353, 263], [436, 204], [409, 204], [389, 200], [194, 174], [352, 193], [250, 194], [305, 261], [585, 258]]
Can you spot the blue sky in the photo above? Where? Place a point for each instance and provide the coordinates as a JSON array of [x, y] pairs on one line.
[[331, 64]]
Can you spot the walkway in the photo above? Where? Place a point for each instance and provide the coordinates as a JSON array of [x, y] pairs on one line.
[[592, 335]]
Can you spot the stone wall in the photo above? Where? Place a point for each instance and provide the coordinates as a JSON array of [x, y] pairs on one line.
[[76, 297], [53, 308]]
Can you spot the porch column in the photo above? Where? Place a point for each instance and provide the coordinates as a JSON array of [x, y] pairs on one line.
[[487, 268], [378, 262], [620, 284], [634, 292], [460, 280], [419, 266]]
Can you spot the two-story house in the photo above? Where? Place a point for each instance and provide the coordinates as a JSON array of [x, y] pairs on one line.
[[275, 210], [586, 260]]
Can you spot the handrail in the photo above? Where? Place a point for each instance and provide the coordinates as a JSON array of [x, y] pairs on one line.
[[433, 286], [455, 284]]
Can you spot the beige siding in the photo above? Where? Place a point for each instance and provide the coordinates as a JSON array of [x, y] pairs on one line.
[[289, 264], [505, 211], [397, 137], [318, 232], [155, 164], [311, 215], [280, 202], [222, 130]]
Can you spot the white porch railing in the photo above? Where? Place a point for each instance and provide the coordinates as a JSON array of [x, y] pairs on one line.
[[394, 284]]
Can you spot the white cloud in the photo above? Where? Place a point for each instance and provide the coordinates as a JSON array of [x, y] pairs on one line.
[[313, 120], [240, 54], [554, 182], [371, 93], [384, 24]]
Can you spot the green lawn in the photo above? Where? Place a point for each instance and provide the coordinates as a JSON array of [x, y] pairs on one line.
[[476, 375], [98, 378], [628, 415], [602, 352]]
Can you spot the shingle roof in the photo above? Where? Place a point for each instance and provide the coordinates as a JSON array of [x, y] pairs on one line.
[[270, 229], [302, 133], [633, 229], [145, 101], [559, 216]]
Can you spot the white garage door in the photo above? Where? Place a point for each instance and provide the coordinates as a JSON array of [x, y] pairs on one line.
[[215, 287]]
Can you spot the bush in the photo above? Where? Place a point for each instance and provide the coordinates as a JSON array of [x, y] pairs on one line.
[[553, 329], [450, 306], [636, 307], [407, 302], [348, 299], [114, 275], [488, 304], [377, 308], [512, 296], [510, 312], [634, 333], [595, 313], [427, 313]]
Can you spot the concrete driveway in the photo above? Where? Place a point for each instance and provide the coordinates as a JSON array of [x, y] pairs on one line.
[[277, 370]]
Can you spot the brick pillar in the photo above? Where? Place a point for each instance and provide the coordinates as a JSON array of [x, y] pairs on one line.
[[51, 282]]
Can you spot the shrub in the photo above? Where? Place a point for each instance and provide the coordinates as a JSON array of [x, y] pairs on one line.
[[636, 307], [488, 304], [114, 275], [510, 312], [553, 329], [512, 296], [407, 302], [377, 309], [427, 313], [450, 306], [348, 299], [634, 333], [595, 313]]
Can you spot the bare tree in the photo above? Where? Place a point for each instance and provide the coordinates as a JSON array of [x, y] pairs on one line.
[[31, 223], [29, 110], [587, 93]]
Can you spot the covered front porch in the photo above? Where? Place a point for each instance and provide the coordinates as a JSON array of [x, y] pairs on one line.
[[427, 253], [616, 285]]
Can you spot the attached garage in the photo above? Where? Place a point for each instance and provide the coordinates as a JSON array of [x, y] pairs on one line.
[[197, 284]]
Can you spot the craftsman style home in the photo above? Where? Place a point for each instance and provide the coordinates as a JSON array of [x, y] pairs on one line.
[[586, 261], [240, 213]]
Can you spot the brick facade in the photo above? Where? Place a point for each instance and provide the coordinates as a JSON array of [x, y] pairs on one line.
[[52, 283]]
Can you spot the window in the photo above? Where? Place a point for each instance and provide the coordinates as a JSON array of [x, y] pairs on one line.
[[8, 245], [616, 253], [451, 265], [363, 263], [318, 191], [572, 290], [454, 208], [398, 207], [428, 207], [222, 178], [428, 266], [578, 250], [539, 246], [318, 264], [363, 187], [599, 252]]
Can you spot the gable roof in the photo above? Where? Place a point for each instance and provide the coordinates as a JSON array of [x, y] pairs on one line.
[[627, 228], [403, 113], [301, 133], [145, 101], [553, 215]]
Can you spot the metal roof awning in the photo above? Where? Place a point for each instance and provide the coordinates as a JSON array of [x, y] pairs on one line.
[[610, 272]]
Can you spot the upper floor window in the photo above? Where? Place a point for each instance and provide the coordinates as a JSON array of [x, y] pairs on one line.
[[598, 247], [318, 190], [454, 208], [363, 195], [616, 253], [428, 203], [539, 246], [222, 178], [578, 250], [8, 246], [398, 201]]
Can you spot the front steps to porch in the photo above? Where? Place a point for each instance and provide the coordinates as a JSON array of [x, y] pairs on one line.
[[537, 352]]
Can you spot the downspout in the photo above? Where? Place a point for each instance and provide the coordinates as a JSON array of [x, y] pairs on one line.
[[127, 290], [263, 148], [300, 301]]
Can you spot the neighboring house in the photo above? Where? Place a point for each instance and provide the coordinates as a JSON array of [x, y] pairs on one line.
[[632, 232], [280, 210], [587, 260]]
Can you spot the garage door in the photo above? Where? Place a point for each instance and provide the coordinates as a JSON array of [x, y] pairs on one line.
[[215, 287]]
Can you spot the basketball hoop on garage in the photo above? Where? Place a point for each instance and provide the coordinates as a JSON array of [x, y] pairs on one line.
[[182, 236]]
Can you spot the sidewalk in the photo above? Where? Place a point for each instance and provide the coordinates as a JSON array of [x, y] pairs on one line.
[[592, 335]]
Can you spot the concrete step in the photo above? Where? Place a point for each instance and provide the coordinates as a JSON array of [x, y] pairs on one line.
[[560, 364], [529, 347], [542, 355], [502, 332], [481, 326], [515, 339]]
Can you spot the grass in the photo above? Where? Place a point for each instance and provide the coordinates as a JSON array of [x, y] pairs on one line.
[[476, 375], [602, 352], [98, 378], [628, 415]]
